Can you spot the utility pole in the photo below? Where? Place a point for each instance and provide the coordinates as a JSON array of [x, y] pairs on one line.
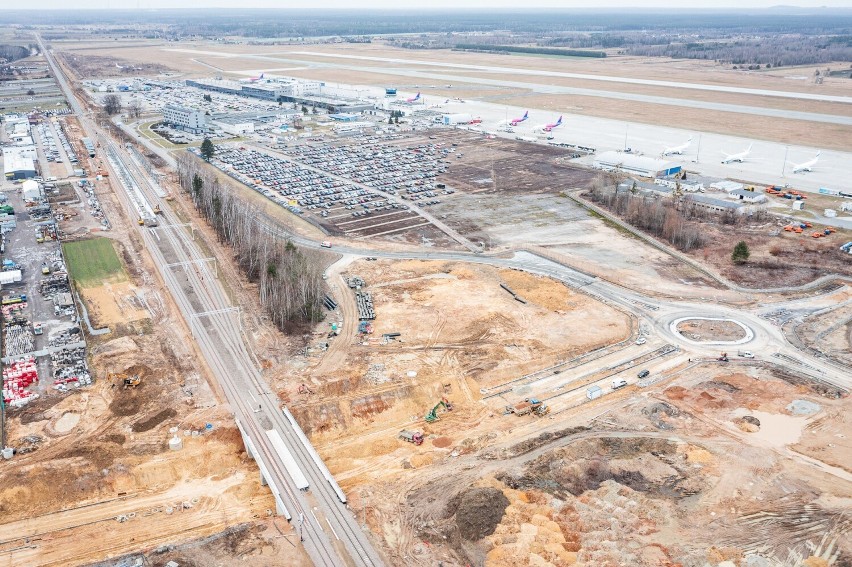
[[626, 128], [784, 165], [698, 152]]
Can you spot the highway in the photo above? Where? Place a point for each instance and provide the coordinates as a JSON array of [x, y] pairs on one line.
[[330, 532]]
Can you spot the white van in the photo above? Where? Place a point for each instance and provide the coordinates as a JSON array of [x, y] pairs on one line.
[[619, 383]]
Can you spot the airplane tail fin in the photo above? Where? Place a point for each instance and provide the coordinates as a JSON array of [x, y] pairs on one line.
[[261, 75], [559, 121], [818, 153], [526, 114], [749, 147]]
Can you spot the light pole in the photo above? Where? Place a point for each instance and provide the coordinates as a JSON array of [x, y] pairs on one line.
[[784, 165]]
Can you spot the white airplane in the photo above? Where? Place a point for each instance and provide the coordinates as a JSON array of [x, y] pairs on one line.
[[678, 150], [802, 167], [740, 157]]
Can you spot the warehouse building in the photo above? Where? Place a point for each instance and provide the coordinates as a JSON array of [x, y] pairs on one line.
[[185, 118], [16, 165], [635, 165]]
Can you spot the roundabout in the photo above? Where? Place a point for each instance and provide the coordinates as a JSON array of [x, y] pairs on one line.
[[722, 331]]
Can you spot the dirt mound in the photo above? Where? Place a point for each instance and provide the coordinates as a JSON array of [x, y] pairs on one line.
[[126, 403], [479, 512], [442, 442], [719, 386], [154, 420], [748, 423]]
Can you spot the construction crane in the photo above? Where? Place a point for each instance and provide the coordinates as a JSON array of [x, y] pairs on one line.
[[433, 413]]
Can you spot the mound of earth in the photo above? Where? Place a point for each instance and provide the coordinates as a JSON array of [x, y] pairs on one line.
[[479, 512]]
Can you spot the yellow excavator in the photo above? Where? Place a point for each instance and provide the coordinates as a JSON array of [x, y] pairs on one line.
[[433, 413], [123, 379]]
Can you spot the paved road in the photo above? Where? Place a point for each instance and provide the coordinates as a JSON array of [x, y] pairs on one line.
[[205, 306]]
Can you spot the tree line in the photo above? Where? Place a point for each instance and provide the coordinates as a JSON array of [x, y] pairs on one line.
[[658, 217], [289, 279], [532, 50]]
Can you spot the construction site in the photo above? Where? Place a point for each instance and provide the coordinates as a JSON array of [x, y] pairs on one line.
[[500, 374]]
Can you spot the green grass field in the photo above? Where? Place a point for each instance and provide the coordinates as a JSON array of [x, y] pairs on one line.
[[90, 262]]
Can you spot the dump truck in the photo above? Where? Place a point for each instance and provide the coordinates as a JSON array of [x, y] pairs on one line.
[[723, 357], [529, 405], [411, 436]]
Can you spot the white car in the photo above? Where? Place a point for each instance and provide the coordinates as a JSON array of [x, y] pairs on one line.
[[641, 341], [746, 354]]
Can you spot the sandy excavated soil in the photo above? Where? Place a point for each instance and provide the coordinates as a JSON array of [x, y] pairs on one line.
[[93, 465], [636, 482], [460, 331]]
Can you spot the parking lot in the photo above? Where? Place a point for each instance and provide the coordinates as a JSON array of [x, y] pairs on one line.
[[154, 95], [343, 189]]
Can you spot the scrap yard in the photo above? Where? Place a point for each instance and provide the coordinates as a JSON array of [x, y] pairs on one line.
[[253, 316]]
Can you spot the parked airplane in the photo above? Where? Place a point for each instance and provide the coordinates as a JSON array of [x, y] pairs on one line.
[[802, 167], [516, 121], [740, 157], [551, 126], [678, 150], [252, 79], [415, 98]]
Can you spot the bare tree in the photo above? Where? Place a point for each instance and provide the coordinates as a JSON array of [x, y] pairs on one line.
[[289, 279], [112, 104]]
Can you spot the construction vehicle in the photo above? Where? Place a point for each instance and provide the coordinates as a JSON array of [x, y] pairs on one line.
[[158, 210], [529, 405], [123, 379], [45, 269], [723, 357], [38, 329], [141, 221], [411, 436], [817, 234], [433, 413]]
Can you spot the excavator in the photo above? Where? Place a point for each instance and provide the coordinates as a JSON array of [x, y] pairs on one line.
[[121, 378], [433, 413]]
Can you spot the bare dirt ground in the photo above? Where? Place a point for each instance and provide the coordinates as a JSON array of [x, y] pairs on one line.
[[94, 464], [90, 66], [635, 482], [830, 333], [706, 330]]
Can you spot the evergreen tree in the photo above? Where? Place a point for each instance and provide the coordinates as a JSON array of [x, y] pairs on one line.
[[207, 149], [740, 254]]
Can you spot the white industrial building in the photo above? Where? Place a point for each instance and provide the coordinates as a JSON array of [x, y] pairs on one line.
[[688, 185], [190, 119], [31, 191], [728, 186], [16, 165], [234, 126], [748, 196], [635, 165]]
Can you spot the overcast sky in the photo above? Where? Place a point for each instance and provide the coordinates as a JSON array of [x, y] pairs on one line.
[[397, 4]]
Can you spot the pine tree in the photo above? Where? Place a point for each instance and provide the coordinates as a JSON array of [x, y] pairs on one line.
[[207, 149], [740, 254]]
